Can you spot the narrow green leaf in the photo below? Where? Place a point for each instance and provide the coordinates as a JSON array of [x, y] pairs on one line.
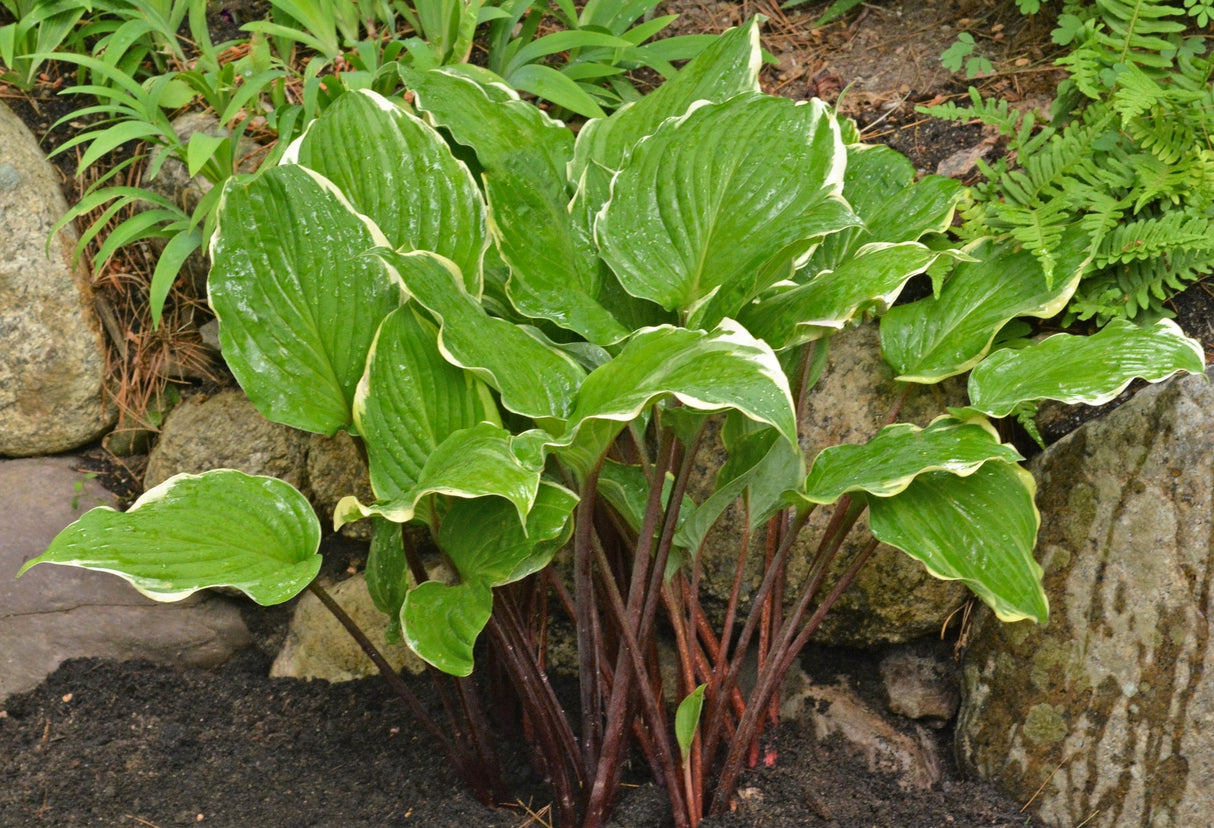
[[1083, 369], [172, 258], [979, 529], [534, 380], [297, 297], [687, 719], [222, 528], [945, 335], [899, 453], [549, 84], [399, 172]]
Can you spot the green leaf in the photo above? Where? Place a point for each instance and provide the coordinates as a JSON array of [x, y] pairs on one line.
[[1082, 369], [727, 67], [871, 280], [486, 541], [297, 298], [534, 379], [945, 335], [899, 453], [554, 268], [441, 623], [762, 467], [474, 462], [410, 400], [179, 248], [979, 529], [713, 205], [687, 719], [549, 84], [222, 528], [387, 572], [399, 172], [201, 149], [727, 368], [880, 186]]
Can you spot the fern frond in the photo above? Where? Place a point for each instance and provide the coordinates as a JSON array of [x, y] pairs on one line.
[[1151, 238], [1140, 31]]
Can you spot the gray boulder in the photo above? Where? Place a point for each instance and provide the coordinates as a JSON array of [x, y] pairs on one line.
[[1109, 708], [52, 351], [224, 431], [53, 613], [894, 599]]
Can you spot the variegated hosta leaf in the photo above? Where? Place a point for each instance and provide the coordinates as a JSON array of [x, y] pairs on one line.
[[387, 572], [410, 400], [724, 369], [762, 468], [945, 335], [489, 547], [554, 268], [979, 529], [222, 528], [869, 280], [729, 66], [715, 206], [880, 186], [441, 622], [899, 453], [1082, 369], [398, 171], [485, 539], [297, 297], [534, 379], [473, 462]]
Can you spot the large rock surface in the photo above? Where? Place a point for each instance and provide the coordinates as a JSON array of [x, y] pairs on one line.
[[53, 613], [225, 430], [894, 599], [1109, 708], [52, 356]]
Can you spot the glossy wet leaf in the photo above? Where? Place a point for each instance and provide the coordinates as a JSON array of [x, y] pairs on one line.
[[899, 453], [715, 206], [471, 463], [945, 335], [1083, 369], [485, 539], [297, 297], [724, 369], [411, 400], [871, 280], [222, 528], [979, 529], [554, 271], [378, 154], [441, 623], [534, 379]]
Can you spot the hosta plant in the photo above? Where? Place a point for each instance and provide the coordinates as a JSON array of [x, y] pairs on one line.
[[530, 333]]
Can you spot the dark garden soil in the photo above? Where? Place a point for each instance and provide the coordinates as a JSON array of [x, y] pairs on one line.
[[132, 744]]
